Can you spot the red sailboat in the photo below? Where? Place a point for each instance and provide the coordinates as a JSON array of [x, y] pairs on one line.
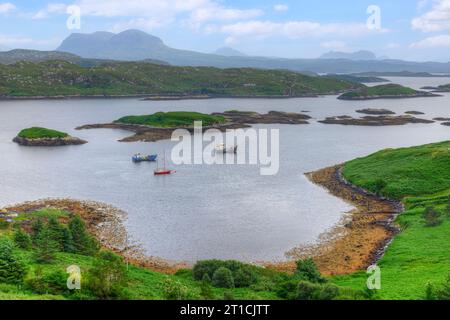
[[163, 171]]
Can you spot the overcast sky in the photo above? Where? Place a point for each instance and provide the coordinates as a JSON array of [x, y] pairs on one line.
[[407, 29]]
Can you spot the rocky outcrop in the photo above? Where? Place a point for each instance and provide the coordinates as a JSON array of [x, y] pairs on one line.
[[372, 111], [375, 121], [48, 142], [414, 112], [273, 117]]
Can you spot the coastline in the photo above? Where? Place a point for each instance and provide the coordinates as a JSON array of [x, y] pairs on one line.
[[359, 240]]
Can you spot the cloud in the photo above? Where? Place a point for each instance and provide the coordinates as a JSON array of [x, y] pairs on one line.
[[52, 8], [435, 20], [280, 7], [432, 42], [291, 30], [6, 7]]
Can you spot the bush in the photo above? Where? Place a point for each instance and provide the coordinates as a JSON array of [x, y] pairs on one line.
[[308, 291], [288, 290], [4, 224], [174, 290], [443, 293], [206, 291], [378, 186], [244, 275], [328, 292], [22, 239], [12, 268], [107, 278], [307, 270], [432, 217], [50, 283], [223, 278]]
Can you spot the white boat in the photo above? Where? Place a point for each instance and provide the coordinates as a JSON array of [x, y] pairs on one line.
[[222, 148]]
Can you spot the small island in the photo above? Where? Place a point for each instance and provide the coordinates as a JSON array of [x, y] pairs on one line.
[[442, 88], [375, 121], [372, 111], [415, 112], [386, 91], [43, 137], [160, 125]]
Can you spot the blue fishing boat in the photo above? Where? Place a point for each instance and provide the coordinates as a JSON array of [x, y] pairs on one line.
[[140, 158]]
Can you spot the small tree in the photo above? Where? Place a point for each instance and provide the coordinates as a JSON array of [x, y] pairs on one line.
[[432, 217], [174, 290], [206, 291], [12, 268], [46, 246], [83, 242], [308, 290], [22, 239], [36, 227], [108, 278], [307, 270], [56, 231], [67, 241], [223, 278]]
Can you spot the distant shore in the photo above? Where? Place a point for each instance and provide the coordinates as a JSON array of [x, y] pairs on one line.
[[150, 97]]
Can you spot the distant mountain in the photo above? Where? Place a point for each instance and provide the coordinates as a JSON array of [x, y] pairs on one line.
[[134, 45], [13, 56], [229, 52], [359, 55]]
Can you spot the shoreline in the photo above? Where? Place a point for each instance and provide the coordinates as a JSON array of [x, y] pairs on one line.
[[359, 239], [356, 242], [152, 97]]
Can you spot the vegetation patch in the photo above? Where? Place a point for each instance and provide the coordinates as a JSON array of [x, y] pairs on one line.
[[173, 119], [383, 91], [41, 133]]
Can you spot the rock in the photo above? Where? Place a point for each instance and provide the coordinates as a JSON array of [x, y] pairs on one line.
[[48, 142], [446, 124], [414, 112], [441, 119], [372, 111]]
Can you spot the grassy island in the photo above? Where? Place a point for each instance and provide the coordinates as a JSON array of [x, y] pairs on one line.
[[41, 133], [172, 119], [383, 91], [417, 263]]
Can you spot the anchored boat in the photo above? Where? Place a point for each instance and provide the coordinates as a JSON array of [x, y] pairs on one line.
[[164, 170], [222, 148], [140, 158]]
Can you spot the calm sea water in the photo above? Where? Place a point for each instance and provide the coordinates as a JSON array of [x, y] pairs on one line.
[[204, 211]]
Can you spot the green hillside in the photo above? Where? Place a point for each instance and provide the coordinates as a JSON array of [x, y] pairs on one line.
[[59, 78], [419, 257]]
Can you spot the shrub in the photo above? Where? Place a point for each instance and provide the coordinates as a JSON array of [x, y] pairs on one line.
[[328, 292], [36, 227], [174, 290], [51, 283], [443, 293], [430, 292], [223, 278], [432, 217], [206, 291], [107, 278], [378, 186], [308, 291], [288, 290], [244, 275], [12, 268], [22, 239], [4, 224], [228, 295], [307, 270]]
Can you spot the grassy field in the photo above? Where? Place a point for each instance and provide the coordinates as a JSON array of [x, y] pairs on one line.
[[39, 133], [172, 119], [420, 254], [381, 90], [56, 78]]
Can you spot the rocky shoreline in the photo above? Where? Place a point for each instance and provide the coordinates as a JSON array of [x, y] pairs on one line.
[[48, 142], [236, 120], [103, 221], [423, 94], [359, 240]]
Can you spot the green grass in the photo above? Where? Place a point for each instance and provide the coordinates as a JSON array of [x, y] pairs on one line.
[[381, 90], [56, 78], [419, 254], [412, 171], [39, 133], [172, 119]]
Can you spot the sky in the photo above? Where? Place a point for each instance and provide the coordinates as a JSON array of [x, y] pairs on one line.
[[417, 30]]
